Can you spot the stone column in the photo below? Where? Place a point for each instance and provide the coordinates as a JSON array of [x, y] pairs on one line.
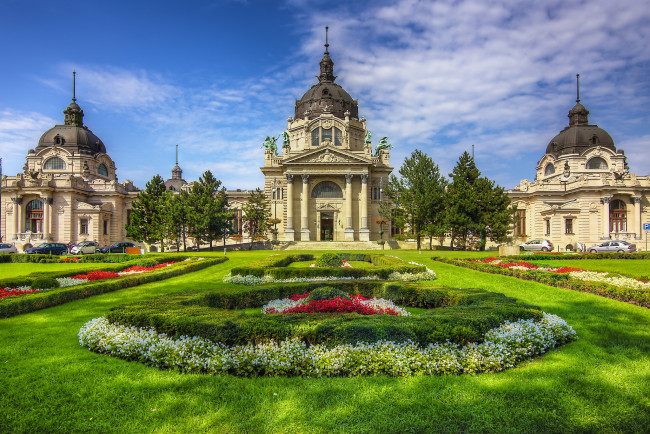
[[349, 231], [47, 218], [17, 206], [638, 216], [364, 232], [289, 234], [605, 201], [304, 209]]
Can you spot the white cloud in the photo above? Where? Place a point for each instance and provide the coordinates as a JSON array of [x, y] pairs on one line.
[[20, 131]]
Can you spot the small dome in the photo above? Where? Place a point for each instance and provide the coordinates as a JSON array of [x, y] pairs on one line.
[[326, 97], [73, 137], [579, 135]]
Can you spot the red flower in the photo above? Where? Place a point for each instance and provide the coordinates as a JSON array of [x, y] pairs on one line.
[[97, 275]]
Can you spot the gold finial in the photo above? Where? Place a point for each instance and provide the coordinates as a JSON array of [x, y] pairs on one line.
[[74, 99]]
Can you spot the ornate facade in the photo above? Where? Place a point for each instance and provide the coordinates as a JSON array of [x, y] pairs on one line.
[[326, 184], [68, 191], [583, 191]]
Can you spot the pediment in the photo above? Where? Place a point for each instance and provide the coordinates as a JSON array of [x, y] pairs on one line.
[[327, 155]]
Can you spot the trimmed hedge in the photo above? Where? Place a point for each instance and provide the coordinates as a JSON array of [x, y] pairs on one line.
[[276, 266], [559, 280], [13, 282], [613, 255], [11, 306], [461, 315]]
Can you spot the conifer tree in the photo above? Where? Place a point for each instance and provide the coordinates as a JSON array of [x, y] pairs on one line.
[[420, 191], [148, 213], [256, 213]]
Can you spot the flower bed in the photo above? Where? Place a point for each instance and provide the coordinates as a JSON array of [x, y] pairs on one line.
[[275, 269], [605, 284], [78, 287], [357, 304], [503, 347]]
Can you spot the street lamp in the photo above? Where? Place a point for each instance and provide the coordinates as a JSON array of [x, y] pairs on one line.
[[0, 199]]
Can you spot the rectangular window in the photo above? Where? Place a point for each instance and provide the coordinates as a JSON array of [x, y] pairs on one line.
[[326, 135], [315, 140], [568, 226], [520, 222], [105, 227], [83, 226], [274, 194], [548, 226], [338, 137]]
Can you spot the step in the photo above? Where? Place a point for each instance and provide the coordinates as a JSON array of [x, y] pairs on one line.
[[332, 245]]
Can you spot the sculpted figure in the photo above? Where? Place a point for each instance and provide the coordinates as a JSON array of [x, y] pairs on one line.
[[285, 139], [368, 138], [383, 144], [269, 144]]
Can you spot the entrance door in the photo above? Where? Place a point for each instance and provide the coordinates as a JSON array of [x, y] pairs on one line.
[[326, 226]]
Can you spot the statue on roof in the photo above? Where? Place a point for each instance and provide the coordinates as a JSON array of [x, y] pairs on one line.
[[269, 144], [368, 139], [383, 144], [285, 139]]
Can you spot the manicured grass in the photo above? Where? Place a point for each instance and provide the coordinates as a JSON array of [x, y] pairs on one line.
[[599, 383], [23, 269], [639, 268]]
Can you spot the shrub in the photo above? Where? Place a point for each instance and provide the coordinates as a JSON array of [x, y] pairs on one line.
[[45, 283], [327, 293], [329, 260]]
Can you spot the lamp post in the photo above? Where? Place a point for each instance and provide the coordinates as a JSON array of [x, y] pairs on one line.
[[0, 199]]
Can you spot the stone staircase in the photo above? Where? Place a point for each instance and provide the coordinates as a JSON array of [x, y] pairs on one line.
[[330, 245]]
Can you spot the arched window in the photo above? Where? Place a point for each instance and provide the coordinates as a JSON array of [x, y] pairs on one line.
[[327, 190], [597, 163], [617, 216], [549, 170], [332, 135], [102, 170], [54, 163], [34, 216]]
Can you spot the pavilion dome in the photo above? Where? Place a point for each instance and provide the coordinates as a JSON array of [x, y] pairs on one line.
[[326, 96]]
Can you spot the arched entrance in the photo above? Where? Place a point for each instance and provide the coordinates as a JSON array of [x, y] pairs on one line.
[[327, 226], [617, 216], [34, 216]]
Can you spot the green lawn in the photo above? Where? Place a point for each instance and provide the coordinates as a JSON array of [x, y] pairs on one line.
[[637, 268], [23, 269], [599, 383]]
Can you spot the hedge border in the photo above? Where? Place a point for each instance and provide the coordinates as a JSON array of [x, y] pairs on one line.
[[12, 306], [276, 267], [458, 315], [559, 280], [612, 255]]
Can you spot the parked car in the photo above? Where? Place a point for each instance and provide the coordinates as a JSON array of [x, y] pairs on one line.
[[613, 246], [7, 248], [85, 248], [49, 249], [116, 248], [537, 246]]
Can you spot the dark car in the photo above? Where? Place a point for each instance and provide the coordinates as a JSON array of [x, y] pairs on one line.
[[116, 248], [49, 249]]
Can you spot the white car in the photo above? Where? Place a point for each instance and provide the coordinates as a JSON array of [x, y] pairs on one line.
[[538, 246], [85, 248], [7, 248], [613, 246]]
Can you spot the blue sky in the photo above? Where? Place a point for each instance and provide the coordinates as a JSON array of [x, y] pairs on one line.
[[216, 77]]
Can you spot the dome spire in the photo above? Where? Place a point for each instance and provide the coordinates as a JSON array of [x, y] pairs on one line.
[[74, 73], [177, 173], [73, 113], [326, 64], [578, 114]]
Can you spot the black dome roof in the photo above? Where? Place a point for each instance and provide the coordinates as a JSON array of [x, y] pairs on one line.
[[579, 135], [73, 134], [326, 96]]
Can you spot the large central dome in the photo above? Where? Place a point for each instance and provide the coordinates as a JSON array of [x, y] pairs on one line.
[[326, 96]]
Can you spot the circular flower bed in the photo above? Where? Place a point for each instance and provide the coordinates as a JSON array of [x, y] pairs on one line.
[[503, 347]]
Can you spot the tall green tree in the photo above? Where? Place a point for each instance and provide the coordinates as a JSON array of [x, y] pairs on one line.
[[148, 213], [477, 209], [420, 192], [208, 206], [178, 218], [463, 211], [256, 214]]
